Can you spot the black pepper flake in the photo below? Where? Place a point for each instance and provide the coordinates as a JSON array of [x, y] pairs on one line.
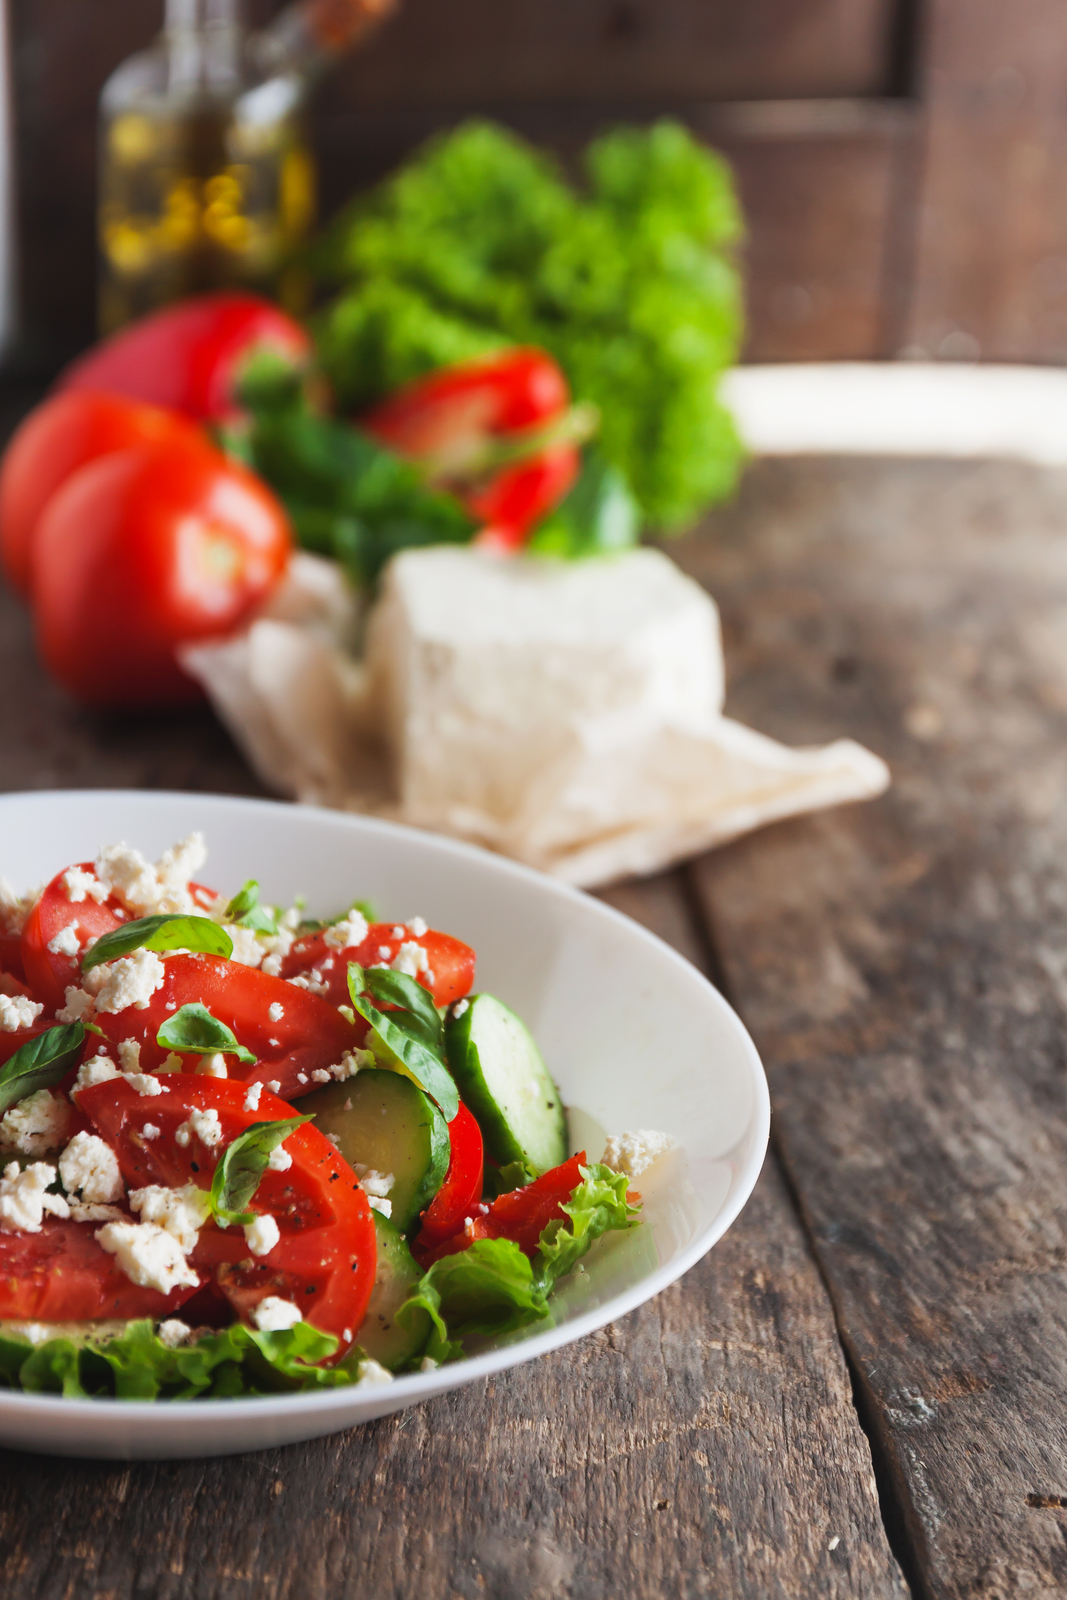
[[195, 1165], [310, 1289], [334, 1176]]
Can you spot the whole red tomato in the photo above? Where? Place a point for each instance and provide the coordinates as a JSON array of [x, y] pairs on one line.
[[57, 438], [145, 550]]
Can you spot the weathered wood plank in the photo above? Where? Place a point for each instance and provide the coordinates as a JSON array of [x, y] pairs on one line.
[[903, 964]]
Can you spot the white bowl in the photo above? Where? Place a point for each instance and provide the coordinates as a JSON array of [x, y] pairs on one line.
[[634, 1035]]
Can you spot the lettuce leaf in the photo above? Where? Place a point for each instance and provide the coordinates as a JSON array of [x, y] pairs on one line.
[[598, 1203], [487, 1289]]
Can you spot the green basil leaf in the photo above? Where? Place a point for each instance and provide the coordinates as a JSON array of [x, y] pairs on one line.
[[160, 933], [193, 1031], [243, 1164], [246, 909], [367, 911], [397, 989], [40, 1062], [404, 1035]]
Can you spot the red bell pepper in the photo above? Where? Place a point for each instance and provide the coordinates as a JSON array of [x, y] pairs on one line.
[[189, 357], [521, 1215], [519, 496], [462, 1188]]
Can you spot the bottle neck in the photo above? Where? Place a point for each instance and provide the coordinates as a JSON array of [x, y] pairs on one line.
[[308, 35], [203, 41]]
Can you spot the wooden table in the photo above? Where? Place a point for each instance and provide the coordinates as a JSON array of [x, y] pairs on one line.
[[862, 1386]]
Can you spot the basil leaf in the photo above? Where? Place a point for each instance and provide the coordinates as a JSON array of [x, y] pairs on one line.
[[246, 909], [397, 989], [40, 1062], [243, 1164], [193, 1031], [366, 910], [404, 1035], [160, 933]]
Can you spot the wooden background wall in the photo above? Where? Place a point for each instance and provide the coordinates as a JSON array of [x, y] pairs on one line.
[[903, 163]]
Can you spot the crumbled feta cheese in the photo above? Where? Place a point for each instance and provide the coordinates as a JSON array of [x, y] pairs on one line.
[[301, 1077], [98, 1069], [212, 1066], [144, 889], [149, 1256], [320, 1075], [182, 1212], [275, 1042], [14, 907], [460, 1007], [276, 1011], [145, 1083], [377, 1204], [372, 1373], [77, 884], [92, 1211], [131, 981], [204, 1124], [311, 981], [66, 941], [171, 1063], [279, 1159], [37, 1123], [93, 980], [334, 1140], [410, 959], [400, 932], [24, 1200], [174, 1332], [379, 1183], [274, 1315], [272, 964], [262, 1235], [246, 947], [17, 1011], [275, 1086], [150, 1132], [129, 1052], [178, 864], [252, 1097], [418, 927], [428, 1364], [89, 1166], [79, 1005], [634, 1153], [349, 932], [347, 1335], [385, 952], [351, 1062]]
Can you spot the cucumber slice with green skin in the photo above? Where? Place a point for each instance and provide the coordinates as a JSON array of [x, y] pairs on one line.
[[382, 1120], [504, 1081], [380, 1334]]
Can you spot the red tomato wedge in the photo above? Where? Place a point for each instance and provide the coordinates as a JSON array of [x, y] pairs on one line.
[[62, 1275], [521, 1215], [449, 960], [50, 973], [325, 1259], [308, 1035], [462, 1187], [11, 955]]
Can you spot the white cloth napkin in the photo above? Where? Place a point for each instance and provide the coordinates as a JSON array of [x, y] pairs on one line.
[[566, 714]]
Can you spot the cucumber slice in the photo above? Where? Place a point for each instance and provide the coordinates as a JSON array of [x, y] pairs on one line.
[[504, 1081], [380, 1335], [383, 1120]]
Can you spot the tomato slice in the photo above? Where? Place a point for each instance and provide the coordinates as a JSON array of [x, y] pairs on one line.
[[62, 1275], [11, 955], [449, 960], [50, 973], [326, 1256], [521, 1215], [307, 1036], [462, 1188]]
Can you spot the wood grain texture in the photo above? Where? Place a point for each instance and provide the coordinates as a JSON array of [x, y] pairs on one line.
[[903, 965]]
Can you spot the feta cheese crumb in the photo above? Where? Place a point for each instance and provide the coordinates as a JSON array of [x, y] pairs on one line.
[[351, 1062], [37, 1123], [66, 941], [301, 1077], [377, 1204], [372, 1372], [274, 1315], [129, 1053], [149, 1256], [262, 1235], [428, 1364], [275, 1086], [350, 931], [460, 1007], [279, 1159], [89, 1166], [77, 884], [320, 1075], [311, 981], [181, 1212], [410, 959], [247, 949], [418, 927], [385, 952], [276, 1011], [131, 981], [24, 1200], [150, 1132], [143, 888], [400, 932], [252, 1097], [174, 1332], [146, 1085], [204, 1124], [212, 1066], [90, 1211], [98, 1069], [171, 1062], [79, 1005], [634, 1153], [17, 1011], [334, 1140], [379, 1183]]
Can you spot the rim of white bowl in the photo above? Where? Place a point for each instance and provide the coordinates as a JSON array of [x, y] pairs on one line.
[[425, 1385]]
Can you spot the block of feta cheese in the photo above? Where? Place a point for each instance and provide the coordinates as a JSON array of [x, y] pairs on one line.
[[568, 714]]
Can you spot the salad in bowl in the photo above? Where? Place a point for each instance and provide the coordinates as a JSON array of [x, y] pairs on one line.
[[245, 1151]]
